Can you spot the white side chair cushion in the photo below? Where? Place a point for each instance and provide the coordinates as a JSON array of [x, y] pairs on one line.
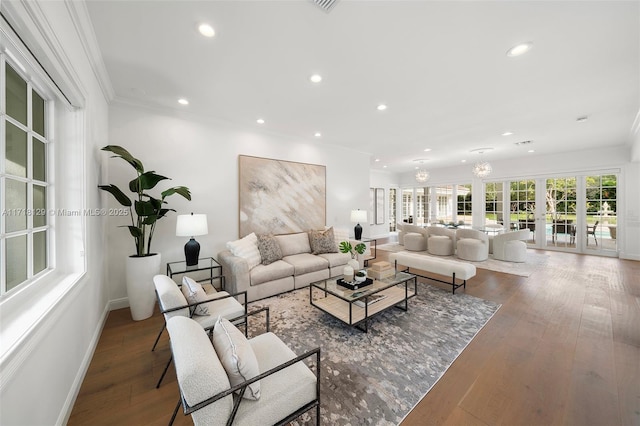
[[228, 308], [283, 392], [237, 356], [247, 248], [194, 293], [199, 371], [170, 296]]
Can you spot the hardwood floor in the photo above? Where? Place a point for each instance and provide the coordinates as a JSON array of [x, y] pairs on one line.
[[564, 348]]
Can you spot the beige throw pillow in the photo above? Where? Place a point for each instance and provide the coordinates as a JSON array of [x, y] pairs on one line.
[[322, 241], [194, 293], [237, 356], [269, 249]]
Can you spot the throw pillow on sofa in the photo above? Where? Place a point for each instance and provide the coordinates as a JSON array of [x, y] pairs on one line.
[[322, 241], [247, 248], [269, 249], [237, 356], [194, 293]]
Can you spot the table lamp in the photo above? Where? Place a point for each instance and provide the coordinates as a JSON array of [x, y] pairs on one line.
[[358, 216], [191, 225]]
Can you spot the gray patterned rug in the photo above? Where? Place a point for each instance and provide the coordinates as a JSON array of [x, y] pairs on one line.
[[376, 378]]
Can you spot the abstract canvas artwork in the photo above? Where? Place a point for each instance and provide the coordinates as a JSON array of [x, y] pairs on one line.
[[280, 197]]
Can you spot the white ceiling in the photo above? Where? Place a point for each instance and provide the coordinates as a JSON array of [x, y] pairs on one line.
[[440, 66]]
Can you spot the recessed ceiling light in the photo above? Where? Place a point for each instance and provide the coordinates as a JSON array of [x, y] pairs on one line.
[[183, 101], [260, 121], [507, 133], [317, 134], [582, 119], [377, 160], [315, 78], [427, 149], [384, 167], [532, 150], [520, 49], [206, 30], [463, 161], [381, 107]]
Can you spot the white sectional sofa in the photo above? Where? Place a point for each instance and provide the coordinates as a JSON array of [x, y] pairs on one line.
[[297, 266]]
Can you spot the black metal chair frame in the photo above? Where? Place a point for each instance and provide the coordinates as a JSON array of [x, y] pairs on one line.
[[237, 398], [192, 309], [591, 230]]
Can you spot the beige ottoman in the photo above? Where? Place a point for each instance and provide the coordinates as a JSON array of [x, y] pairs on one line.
[[472, 249], [440, 245], [415, 242]]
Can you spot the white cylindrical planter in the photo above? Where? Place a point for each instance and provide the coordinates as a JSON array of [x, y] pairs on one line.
[[140, 290]]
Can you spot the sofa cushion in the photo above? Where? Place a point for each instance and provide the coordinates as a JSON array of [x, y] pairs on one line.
[[294, 243], [340, 235], [336, 259], [305, 262], [274, 271], [246, 248], [237, 356], [322, 241], [228, 308], [269, 249], [194, 293]]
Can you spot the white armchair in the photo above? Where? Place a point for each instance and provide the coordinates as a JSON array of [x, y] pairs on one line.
[[511, 246], [472, 245], [217, 373], [440, 241]]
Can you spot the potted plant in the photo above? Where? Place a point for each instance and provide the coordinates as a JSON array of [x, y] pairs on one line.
[[360, 248], [145, 211]]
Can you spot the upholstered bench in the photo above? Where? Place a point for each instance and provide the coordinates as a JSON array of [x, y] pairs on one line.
[[448, 268]]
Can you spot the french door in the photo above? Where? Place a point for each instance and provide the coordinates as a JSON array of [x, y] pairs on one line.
[[567, 213]]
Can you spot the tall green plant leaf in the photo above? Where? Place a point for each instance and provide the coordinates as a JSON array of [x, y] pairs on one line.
[[126, 156], [181, 190], [144, 208], [147, 180], [117, 194]]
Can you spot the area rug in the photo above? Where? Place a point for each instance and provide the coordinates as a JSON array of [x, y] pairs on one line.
[[376, 378], [534, 261]]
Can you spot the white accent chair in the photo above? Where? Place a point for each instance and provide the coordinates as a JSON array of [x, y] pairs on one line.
[[288, 388], [172, 303], [472, 245], [440, 241], [414, 237], [511, 246]]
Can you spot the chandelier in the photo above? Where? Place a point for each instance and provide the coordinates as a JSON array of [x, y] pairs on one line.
[[482, 168], [422, 175]]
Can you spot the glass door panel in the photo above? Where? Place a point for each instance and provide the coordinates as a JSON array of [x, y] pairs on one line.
[[522, 209], [601, 220], [561, 212], [464, 211], [407, 205], [494, 204], [444, 214]]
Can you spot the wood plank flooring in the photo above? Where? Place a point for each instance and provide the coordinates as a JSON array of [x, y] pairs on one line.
[[563, 349]]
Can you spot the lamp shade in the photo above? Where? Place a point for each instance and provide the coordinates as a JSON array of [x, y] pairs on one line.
[[191, 225], [358, 216]]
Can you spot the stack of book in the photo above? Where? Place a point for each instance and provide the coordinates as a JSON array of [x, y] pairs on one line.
[[381, 270]]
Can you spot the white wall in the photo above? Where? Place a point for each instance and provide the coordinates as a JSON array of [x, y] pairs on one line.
[[42, 374], [203, 155]]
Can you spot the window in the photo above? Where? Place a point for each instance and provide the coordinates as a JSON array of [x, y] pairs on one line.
[[464, 204], [601, 216], [494, 203], [24, 187]]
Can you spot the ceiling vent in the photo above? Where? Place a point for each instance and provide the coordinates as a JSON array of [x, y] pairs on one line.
[[523, 142], [325, 5]]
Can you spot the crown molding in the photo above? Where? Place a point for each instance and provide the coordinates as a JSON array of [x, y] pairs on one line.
[[87, 36]]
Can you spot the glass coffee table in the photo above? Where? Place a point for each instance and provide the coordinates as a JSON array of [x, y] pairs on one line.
[[355, 307]]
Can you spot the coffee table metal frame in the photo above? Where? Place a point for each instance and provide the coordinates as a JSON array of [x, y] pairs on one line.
[[339, 302]]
